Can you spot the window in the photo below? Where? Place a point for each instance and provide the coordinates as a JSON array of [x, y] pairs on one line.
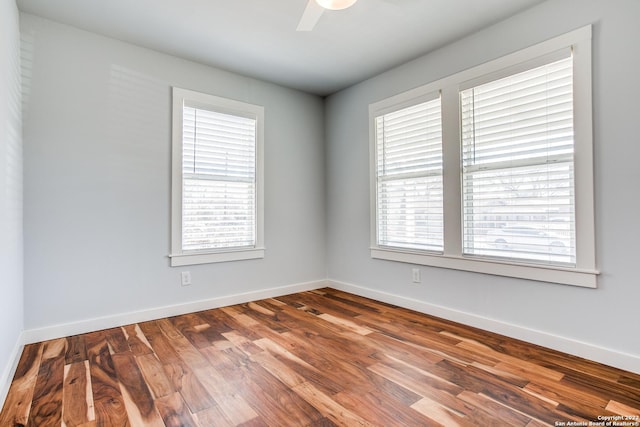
[[409, 177], [217, 179], [507, 186], [517, 158]]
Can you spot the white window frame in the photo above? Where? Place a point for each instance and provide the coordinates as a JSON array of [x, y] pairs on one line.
[[178, 256], [584, 273]]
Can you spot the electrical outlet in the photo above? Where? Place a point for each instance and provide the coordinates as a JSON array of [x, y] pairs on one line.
[[415, 274], [186, 278]]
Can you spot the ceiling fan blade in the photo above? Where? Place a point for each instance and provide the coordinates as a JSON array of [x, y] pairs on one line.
[[310, 16]]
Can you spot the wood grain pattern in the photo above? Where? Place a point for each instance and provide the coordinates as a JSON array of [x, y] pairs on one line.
[[313, 359], [174, 411], [46, 408], [137, 398], [19, 400], [108, 402], [77, 397]]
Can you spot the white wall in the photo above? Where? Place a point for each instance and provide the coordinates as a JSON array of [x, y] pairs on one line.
[[606, 317], [97, 179], [11, 259]]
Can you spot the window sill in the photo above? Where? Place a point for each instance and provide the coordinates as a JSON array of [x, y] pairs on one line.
[[178, 260], [567, 276]]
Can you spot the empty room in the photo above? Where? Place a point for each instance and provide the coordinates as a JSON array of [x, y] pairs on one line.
[[319, 213]]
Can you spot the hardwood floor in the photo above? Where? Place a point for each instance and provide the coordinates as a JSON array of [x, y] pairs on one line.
[[320, 358]]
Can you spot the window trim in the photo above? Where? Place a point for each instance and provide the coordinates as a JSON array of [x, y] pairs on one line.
[[178, 256], [585, 272]]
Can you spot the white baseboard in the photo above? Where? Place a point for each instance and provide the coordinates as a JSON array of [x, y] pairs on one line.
[[628, 362], [99, 323], [10, 370]]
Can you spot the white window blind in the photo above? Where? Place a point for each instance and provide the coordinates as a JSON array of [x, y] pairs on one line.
[[218, 179], [518, 166], [409, 177]]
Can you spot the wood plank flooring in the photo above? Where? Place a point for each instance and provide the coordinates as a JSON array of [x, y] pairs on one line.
[[320, 358]]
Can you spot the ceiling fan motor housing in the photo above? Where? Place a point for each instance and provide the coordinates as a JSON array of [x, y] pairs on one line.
[[336, 4]]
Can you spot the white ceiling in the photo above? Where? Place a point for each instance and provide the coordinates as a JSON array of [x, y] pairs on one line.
[[258, 38]]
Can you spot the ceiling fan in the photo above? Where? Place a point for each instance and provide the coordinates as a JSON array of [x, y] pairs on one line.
[[315, 8]]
